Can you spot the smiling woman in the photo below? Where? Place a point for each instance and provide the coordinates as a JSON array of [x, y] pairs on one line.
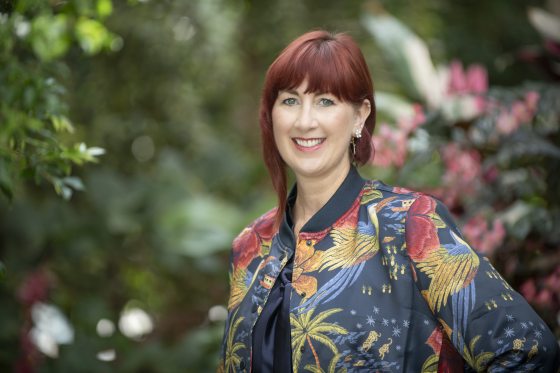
[[348, 274], [312, 132], [327, 64]]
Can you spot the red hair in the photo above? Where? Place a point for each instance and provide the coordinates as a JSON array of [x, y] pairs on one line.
[[331, 63]]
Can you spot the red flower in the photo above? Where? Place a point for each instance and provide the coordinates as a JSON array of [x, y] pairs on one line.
[[247, 245], [264, 226], [245, 248], [35, 288], [421, 233], [449, 359], [434, 340]]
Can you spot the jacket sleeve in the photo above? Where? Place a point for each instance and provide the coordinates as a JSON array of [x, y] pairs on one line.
[[488, 322]]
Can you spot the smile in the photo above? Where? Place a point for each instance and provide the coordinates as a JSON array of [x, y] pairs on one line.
[[308, 143]]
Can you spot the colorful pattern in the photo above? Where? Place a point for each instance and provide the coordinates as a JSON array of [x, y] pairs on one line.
[[391, 286]]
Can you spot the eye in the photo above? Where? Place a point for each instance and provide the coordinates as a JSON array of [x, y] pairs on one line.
[[290, 101], [326, 102]]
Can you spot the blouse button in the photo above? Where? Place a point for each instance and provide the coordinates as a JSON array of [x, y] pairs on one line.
[[303, 295], [308, 242]]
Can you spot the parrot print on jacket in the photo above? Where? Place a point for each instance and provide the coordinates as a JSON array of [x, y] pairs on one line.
[[382, 281]]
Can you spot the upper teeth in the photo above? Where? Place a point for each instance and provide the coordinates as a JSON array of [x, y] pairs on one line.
[[308, 143]]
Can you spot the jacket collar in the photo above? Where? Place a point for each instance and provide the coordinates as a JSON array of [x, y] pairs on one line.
[[335, 207]]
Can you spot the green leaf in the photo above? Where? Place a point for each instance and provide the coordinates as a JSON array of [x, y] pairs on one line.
[[92, 35], [431, 364], [546, 23], [49, 36], [392, 105], [5, 179], [408, 55], [198, 227], [74, 182], [524, 143], [2, 271], [104, 8], [61, 189], [65, 186], [62, 124]]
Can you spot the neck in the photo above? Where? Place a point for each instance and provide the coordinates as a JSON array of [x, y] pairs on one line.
[[313, 194]]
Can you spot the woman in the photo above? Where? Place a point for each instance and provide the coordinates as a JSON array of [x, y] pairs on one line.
[[354, 275]]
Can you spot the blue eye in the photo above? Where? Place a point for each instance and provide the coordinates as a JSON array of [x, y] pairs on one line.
[[289, 101], [326, 102]]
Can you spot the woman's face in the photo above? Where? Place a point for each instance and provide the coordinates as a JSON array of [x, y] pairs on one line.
[[312, 131]]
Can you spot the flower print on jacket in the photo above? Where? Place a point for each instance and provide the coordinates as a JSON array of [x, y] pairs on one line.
[[387, 274], [251, 243]]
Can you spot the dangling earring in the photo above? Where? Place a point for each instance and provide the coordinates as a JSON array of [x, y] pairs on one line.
[[357, 135]]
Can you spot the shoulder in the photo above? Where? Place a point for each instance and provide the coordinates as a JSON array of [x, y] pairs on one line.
[[410, 210], [248, 242], [419, 200], [263, 225], [398, 199]]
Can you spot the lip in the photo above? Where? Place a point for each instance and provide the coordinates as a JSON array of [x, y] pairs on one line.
[[308, 144]]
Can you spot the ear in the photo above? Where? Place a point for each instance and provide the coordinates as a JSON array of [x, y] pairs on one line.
[[362, 113]]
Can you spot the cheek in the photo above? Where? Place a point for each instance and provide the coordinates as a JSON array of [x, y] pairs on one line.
[[280, 126], [343, 126], [280, 136]]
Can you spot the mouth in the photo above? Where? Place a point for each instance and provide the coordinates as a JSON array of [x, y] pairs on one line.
[[308, 143]]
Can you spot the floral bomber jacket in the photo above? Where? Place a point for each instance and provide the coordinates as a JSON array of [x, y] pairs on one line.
[[383, 281]]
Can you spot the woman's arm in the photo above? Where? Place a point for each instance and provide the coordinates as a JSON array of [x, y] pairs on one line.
[[489, 323]]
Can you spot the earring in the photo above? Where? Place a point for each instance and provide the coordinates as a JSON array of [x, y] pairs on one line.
[[355, 138]]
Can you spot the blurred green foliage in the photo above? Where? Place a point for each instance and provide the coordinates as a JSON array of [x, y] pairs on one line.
[[170, 90], [34, 37]]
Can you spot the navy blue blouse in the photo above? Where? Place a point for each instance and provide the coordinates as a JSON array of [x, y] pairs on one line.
[[271, 337]]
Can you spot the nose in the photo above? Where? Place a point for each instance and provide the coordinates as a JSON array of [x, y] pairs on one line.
[[306, 117]]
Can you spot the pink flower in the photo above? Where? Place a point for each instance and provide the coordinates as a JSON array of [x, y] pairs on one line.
[[529, 290], [462, 173], [506, 123], [552, 282], [409, 124], [544, 298], [481, 237], [390, 146], [531, 100], [520, 112], [457, 78], [472, 81], [462, 166], [477, 79], [390, 143]]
